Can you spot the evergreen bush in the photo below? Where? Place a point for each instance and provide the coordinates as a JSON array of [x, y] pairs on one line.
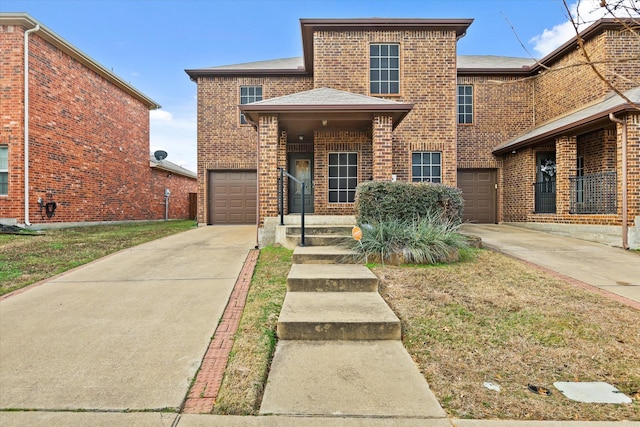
[[378, 201]]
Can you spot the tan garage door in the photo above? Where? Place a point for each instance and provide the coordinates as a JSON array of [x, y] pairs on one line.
[[480, 196], [232, 197]]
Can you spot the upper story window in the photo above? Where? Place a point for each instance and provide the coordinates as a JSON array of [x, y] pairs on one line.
[[426, 166], [384, 69], [4, 170], [465, 104], [249, 94]]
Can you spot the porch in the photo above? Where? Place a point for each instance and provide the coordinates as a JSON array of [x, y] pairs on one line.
[[328, 139]]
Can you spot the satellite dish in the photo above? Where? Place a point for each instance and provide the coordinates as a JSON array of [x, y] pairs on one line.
[[160, 155]]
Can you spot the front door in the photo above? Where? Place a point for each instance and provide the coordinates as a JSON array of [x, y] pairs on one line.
[[301, 166], [546, 182]]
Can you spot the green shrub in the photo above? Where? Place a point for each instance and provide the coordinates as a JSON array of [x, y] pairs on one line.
[[406, 202]]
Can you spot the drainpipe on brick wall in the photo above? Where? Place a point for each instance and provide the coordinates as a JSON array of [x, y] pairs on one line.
[[255, 126], [625, 221], [26, 122]]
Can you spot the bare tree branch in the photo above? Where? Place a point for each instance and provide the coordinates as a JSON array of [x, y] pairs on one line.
[[592, 64]]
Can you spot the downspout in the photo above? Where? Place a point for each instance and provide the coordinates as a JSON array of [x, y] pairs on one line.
[[625, 220], [255, 126], [26, 123]]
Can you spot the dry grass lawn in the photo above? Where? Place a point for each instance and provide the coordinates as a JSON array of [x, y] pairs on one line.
[[494, 319]]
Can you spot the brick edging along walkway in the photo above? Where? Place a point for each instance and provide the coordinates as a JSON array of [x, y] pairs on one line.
[[204, 391]]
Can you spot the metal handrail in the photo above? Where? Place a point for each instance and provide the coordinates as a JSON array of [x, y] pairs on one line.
[[281, 200]]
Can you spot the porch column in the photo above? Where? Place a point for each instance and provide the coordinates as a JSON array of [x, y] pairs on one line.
[[566, 158], [633, 171], [268, 164], [382, 143]]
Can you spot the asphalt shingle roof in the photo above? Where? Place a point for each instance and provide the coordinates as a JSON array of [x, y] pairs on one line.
[[464, 61], [325, 96], [610, 103]]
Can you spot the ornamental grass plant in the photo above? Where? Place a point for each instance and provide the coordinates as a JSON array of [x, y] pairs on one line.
[[430, 239]]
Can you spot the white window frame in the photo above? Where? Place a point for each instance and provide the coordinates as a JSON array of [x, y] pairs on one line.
[[249, 94], [464, 104], [428, 164], [342, 176], [4, 170]]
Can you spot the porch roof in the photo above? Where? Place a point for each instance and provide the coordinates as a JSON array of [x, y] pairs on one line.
[[591, 117], [326, 104]]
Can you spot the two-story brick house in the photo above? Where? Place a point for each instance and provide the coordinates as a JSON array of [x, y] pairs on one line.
[[74, 137], [384, 99]]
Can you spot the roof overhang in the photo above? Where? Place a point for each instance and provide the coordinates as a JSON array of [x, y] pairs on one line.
[[26, 21], [336, 116], [579, 122]]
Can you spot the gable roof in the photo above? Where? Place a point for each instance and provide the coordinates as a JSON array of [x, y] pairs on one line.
[[328, 101], [170, 167], [26, 21], [467, 64], [593, 115]]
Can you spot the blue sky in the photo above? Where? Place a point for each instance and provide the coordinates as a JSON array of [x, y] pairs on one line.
[[150, 43]]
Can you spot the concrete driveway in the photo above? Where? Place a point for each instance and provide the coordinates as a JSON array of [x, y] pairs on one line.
[[126, 332], [607, 268]]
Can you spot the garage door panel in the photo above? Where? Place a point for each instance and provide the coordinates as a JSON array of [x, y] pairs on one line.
[[232, 197], [478, 191]]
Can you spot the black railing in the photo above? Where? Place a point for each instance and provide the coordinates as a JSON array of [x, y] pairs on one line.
[[281, 201], [593, 194], [546, 196]]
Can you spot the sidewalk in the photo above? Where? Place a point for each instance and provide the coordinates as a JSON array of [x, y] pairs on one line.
[[605, 269]]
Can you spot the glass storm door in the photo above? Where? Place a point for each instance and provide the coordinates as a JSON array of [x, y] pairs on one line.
[[301, 166]]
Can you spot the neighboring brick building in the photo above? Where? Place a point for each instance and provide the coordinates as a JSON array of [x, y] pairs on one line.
[[88, 137], [387, 99]]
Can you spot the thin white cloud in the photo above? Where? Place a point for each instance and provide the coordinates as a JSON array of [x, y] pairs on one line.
[[177, 135], [585, 13], [160, 116]]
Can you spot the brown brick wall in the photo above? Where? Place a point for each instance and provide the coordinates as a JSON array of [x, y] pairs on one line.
[[633, 165], [503, 109], [569, 85], [598, 150], [222, 142], [623, 50], [519, 175], [268, 173], [89, 140], [326, 141], [427, 80], [180, 187]]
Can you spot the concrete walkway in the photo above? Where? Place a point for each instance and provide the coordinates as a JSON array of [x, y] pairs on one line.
[[127, 332], [608, 269]]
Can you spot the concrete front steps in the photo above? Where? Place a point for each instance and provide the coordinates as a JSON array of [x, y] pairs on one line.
[[340, 351]]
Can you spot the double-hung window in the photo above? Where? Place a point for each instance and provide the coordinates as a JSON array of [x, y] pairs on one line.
[[384, 69], [343, 177], [426, 166], [249, 94], [4, 170], [465, 104]]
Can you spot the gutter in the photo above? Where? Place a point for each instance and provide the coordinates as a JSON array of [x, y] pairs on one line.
[[255, 126], [625, 219], [26, 122]]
